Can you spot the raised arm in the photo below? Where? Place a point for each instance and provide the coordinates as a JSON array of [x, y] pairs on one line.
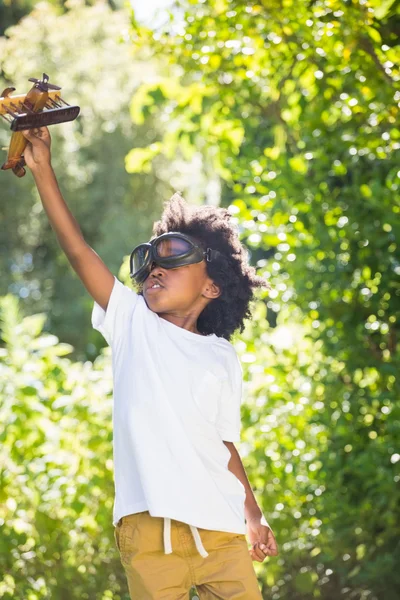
[[95, 275]]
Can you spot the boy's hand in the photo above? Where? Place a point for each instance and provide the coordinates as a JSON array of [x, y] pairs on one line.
[[37, 152], [263, 542]]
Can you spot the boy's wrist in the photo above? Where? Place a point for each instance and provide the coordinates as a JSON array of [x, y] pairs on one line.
[[42, 169], [251, 509], [257, 517]]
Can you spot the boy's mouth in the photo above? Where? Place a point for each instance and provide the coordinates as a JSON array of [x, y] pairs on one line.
[[154, 285], [154, 288]]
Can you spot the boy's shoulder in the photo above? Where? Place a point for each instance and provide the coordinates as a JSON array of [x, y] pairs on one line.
[[226, 347]]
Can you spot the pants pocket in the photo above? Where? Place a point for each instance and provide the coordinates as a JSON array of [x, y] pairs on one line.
[[116, 537], [126, 535]]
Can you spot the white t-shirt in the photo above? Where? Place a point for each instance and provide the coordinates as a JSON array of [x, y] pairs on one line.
[[177, 396]]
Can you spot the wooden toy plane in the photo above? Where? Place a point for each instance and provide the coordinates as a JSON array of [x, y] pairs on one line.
[[26, 111]]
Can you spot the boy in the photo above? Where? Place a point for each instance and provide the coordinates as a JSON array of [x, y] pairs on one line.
[[183, 502]]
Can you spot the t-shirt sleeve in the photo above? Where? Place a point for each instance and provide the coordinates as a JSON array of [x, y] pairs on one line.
[[112, 323], [228, 421]]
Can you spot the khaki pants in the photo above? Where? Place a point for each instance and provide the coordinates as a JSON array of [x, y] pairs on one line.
[[226, 573]]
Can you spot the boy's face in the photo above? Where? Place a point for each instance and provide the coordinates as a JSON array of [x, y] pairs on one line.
[[185, 290]]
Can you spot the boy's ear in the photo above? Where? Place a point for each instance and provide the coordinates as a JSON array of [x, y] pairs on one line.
[[212, 290]]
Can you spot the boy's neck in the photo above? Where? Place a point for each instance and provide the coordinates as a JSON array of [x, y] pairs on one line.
[[186, 322]]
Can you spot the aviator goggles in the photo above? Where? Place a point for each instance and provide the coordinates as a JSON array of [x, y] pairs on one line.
[[169, 250]]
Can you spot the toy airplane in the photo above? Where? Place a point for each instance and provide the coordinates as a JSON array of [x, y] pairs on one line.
[[26, 112]]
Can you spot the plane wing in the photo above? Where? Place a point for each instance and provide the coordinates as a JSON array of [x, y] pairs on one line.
[[14, 103]]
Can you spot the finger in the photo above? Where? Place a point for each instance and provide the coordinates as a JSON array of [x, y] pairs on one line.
[[28, 134], [269, 547], [271, 544], [31, 135], [45, 136], [42, 132], [270, 550], [258, 552], [254, 556]]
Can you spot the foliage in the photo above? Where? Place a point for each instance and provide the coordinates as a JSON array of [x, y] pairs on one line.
[[83, 51], [56, 536], [295, 105], [12, 11]]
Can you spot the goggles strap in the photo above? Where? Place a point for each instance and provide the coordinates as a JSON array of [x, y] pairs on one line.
[[211, 254]]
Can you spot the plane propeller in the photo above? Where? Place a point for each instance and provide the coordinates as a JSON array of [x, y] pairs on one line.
[[43, 84]]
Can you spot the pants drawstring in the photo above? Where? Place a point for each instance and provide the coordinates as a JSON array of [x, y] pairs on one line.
[[167, 538]]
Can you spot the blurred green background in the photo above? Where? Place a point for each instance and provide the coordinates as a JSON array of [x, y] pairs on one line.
[[287, 113]]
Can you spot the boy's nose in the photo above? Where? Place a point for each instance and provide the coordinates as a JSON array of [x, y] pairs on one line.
[[154, 265]]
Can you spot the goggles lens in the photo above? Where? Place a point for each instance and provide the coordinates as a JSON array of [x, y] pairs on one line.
[[172, 246], [139, 257]]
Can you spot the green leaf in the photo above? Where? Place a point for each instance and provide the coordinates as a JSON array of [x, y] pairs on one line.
[[382, 8], [139, 160], [374, 34], [298, 164]]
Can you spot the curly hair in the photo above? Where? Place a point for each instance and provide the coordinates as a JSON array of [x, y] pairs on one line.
[[212, 227]]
